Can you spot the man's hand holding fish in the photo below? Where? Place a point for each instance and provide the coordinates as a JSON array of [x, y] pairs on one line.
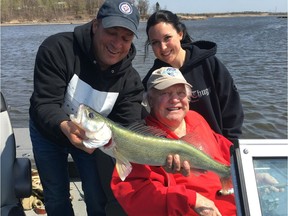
[[76, 135]]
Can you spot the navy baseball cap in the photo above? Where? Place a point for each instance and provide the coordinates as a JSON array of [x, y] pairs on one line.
[[119, 13]]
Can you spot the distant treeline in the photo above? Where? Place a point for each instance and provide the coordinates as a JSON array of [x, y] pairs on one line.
[[49, 10], [233, 13], [60, 10]]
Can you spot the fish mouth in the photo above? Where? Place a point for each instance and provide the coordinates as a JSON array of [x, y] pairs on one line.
[[108, 145]]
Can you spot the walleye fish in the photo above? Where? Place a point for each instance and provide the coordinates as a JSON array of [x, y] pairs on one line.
[[132, 145]]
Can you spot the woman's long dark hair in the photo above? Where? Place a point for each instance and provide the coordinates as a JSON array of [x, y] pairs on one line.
[[167, 17]]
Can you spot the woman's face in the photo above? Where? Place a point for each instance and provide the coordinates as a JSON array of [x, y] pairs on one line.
[[170, 105], [165, 42], [111, 45]]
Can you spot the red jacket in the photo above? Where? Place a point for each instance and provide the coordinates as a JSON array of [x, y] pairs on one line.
[[149, 190]]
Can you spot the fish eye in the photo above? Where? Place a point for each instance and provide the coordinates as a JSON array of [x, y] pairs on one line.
[[91, 115]]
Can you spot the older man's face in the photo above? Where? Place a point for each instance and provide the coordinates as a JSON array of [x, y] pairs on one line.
[[170, 105]]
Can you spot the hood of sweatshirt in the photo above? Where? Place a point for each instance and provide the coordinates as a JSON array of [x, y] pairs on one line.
[[198, 51]]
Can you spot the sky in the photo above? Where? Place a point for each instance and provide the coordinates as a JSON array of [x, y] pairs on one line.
[[218, 6]]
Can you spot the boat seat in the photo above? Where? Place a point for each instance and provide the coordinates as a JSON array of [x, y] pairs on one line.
[[16, 180]]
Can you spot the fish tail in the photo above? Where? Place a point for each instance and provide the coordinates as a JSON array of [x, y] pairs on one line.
[[227, 186], [226, 183]]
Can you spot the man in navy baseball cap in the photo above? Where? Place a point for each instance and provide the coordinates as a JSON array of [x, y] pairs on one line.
[[119, 13], [91, 65]]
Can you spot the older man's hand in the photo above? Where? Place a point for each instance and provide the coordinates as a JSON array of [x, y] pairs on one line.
[[174, 165]]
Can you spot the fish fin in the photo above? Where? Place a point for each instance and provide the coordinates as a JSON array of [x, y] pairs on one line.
[[123, 166], [141, 128], [197, 142]]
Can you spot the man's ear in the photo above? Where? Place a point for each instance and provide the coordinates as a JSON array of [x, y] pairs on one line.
[[95, 23], [150, 101]]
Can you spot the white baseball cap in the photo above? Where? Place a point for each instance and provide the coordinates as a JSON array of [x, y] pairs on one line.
[[165, 77]]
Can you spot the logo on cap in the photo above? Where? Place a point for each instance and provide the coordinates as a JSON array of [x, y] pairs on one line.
[[170, 72], [125, 8]]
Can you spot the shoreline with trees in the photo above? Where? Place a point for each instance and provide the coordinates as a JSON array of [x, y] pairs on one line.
[[29, 12], [182, 16]]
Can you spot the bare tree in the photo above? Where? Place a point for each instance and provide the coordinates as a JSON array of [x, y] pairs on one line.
[[48, 10], [155, 7], [93, 6], [143, 6]]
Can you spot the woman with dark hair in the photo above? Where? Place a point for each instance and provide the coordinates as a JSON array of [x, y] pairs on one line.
[[214, 94]]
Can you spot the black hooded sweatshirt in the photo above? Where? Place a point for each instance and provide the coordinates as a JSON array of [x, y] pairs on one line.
[[66, 74], [214, 93]]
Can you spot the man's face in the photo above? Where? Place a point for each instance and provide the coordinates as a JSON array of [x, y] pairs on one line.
[[169, 105], [111, 45]]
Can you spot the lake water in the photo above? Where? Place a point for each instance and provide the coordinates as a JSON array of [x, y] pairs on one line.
[[254, 49]]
